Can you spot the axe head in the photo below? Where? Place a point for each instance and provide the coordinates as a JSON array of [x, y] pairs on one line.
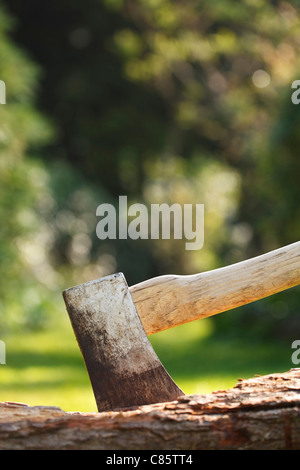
[[124, 369]]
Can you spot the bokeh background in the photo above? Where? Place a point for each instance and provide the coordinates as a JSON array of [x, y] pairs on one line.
[[162, 101]]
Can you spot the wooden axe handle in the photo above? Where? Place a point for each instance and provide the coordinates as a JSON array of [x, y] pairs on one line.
[[171, 300]]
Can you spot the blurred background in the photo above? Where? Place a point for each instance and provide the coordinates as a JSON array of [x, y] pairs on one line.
[[162, 101]]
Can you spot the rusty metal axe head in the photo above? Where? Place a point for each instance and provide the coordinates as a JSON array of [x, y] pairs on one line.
[[123, 367]]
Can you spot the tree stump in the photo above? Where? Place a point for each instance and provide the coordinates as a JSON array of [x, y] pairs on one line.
[[261, 413]]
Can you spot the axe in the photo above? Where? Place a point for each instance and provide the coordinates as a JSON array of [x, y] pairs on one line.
[[112, 321]]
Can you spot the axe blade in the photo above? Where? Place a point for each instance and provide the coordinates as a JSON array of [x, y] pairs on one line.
[[123, 367]]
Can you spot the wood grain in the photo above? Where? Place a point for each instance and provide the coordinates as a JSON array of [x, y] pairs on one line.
[[166, 301], [261, 413]]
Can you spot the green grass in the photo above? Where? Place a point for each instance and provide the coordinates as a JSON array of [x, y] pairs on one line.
[[202, 363], [46, 368]]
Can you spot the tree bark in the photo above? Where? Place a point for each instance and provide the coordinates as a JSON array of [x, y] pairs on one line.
[[262, 413]]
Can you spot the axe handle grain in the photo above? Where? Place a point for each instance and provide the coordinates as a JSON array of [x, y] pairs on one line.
[[167, 301]]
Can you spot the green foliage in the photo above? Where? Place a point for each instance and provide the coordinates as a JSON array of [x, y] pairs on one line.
[[226, 81], [162, 101], [21, 186]]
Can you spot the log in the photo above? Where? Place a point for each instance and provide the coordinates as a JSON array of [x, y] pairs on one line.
[[261, 413]]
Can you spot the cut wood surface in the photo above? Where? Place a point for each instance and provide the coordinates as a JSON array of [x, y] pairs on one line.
[[258, 413]]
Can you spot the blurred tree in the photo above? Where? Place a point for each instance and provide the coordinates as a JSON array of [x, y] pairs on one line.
[[129, 83], [168, 101], [96, 110], [225, 81], [22, 186]]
